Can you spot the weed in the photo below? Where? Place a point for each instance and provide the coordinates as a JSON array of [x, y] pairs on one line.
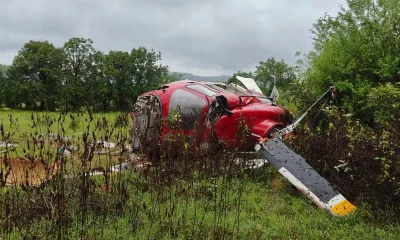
[[187, 195]]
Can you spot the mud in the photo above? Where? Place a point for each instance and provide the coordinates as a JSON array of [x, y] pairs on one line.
[[20, 171]]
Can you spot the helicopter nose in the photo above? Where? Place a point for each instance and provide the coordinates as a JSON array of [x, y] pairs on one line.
[[287, 116]]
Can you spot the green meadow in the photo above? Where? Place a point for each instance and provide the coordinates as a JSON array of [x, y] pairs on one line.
[[178, 200]]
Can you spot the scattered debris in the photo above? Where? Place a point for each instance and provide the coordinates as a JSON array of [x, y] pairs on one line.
[[7, 145], [251, 163], [56, 136], [107, 144]]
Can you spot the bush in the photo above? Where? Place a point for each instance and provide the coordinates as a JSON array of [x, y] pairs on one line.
[[361, 162]]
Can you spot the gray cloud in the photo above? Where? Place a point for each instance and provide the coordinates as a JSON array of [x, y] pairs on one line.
[[202, 37]]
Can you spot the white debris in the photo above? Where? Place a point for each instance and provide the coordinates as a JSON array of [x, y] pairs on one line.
[[5, 145], [67, 152], [252, 163], [107, 144], [121, 167]]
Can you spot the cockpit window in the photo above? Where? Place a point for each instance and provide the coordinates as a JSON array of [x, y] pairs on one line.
[[188, 105], [201, 89]]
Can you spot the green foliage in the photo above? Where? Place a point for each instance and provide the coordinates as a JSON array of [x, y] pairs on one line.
[[35, 76], [131, 74], [146, 74], [266, 71], [3, 83], [362, 163], [119, 76], [356, 51], [78, 77], [83, 71], [384, 103], [171, 77]]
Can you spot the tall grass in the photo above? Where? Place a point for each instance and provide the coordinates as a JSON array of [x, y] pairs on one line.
[[187, 195], [363, 163]]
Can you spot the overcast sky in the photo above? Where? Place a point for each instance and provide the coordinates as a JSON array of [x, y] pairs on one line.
[[208, 37]]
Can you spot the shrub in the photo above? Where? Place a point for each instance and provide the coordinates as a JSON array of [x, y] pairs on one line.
[[361, 162]]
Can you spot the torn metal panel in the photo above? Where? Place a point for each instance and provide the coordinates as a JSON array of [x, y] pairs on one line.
[[293, 167], [249, 83], [146, 124]]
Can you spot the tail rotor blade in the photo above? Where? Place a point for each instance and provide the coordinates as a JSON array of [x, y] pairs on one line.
[[293, 167]]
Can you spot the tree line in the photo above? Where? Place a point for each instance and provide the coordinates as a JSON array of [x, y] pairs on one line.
[[77, 76], [357, 52]]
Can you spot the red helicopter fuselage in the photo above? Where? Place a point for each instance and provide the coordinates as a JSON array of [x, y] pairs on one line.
[[205, 110], [232, 117]]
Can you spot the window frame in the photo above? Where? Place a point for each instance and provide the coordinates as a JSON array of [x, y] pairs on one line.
[[202, 92]]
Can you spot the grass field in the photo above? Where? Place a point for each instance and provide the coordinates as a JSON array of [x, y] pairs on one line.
[[38, 134], [180, 200]]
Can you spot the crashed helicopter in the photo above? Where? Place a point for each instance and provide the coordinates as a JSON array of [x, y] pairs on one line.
[[215, 110]]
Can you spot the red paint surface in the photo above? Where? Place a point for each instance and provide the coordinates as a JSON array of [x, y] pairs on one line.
[[258, 116]]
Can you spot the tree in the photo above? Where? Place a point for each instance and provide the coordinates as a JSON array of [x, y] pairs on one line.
[[146, 73], [98, 93], [119, 76], [35, 76], [384, 103], [272, 71], [2, 83], [83, 71], [134, 73], [356, 51], [171, 77]]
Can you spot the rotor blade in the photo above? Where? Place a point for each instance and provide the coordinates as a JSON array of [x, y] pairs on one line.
[[293, 167]]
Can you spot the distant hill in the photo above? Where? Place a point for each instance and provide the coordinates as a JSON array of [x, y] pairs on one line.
[[193, 77]]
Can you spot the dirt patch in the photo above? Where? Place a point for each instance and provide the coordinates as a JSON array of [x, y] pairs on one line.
[[278, 183], [20, 171]]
